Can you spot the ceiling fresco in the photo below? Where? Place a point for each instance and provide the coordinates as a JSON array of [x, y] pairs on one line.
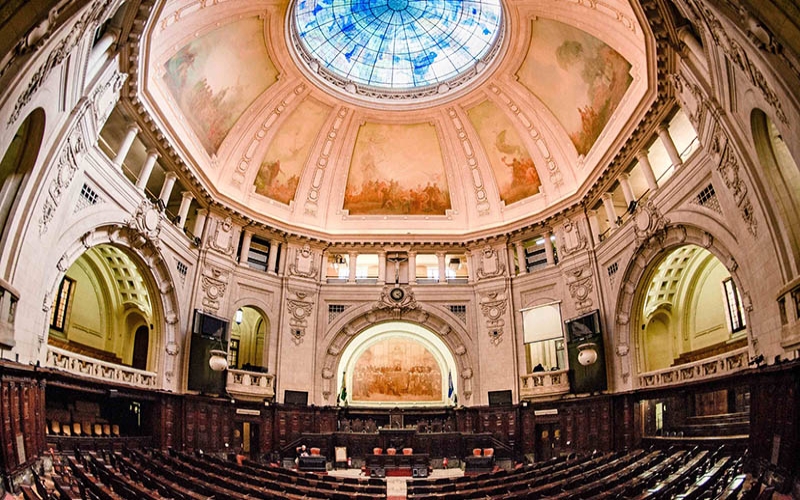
[[266, 137]]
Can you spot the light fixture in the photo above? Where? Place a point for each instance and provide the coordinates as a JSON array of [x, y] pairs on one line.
[[587, 353], [239, 316], [455, 263], [218, 360], [337, 260]]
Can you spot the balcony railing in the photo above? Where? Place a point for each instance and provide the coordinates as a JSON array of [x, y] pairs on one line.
[[717, 366], [544, 384], [253, 386], [86, 366]]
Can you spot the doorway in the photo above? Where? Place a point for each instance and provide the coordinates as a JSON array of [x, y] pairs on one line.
[[548, 441]]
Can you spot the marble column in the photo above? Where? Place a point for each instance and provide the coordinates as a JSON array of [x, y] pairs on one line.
[[200, 222], [412, 267], [246, 239], [521, 264], [672, 150], [382, 268], [166, 188], [125, 147], [440, 256], [272, 258], [183, 212], [647, 170], [548, 249], [594, 225], [627, 190], [611, 212], [352, 258], [147, 169]]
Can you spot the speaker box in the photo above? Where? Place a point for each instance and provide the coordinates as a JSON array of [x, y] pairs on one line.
[[419, 471], [299, 398], [587, 378], [201, 377], [378, 472]]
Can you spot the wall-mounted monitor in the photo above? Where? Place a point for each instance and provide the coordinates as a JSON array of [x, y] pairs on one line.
[[583, 326], [209, 326]]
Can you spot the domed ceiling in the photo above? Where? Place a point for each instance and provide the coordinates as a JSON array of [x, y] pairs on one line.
[[397, 116]]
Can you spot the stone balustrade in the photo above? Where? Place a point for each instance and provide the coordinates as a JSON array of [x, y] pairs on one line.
[[252, 386], [86, 366], [722, 364], [544, 384]]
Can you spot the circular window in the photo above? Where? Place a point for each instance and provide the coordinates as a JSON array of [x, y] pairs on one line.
[[396, 48]]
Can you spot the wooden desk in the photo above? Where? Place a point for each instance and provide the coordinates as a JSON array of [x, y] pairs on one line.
[[397, 465]]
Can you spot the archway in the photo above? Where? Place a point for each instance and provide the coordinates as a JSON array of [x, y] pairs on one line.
[[689, 309], [103, 308], [782, 174], [18, 161], [248, 340], [396, 364]]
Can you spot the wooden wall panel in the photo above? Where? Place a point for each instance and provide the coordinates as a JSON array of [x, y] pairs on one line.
[[775, 417], [22, 429]]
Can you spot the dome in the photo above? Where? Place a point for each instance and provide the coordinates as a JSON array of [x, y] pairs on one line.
[[403, 46], [397, 117]]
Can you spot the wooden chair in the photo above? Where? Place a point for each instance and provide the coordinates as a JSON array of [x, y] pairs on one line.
[[408, 451], [106, 430], [488, 452], [98, 429], [66, 430], [115, 430], [87, 428], [377, 451], [476, 452], [55, 427], [315, 452], [391, 451], [76, 428]]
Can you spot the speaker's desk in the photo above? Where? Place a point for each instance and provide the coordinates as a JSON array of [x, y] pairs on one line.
[[397, 465]]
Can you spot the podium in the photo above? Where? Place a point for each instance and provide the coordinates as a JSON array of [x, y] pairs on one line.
[[313, 463]]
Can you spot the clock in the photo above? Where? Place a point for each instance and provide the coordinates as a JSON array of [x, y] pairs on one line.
[[397, 294]]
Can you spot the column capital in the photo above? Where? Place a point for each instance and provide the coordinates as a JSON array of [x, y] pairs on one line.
[[607, 196], [170, 176], [187, 194], [202, 211], [624, 176], [152, 152], [133, 128], [642, 153]]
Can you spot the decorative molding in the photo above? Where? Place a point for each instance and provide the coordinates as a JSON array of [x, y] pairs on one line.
[[66, 168], [579, 281], [221, 239], [145, 226], [573, 240], [394, 302], [649, 224], [299, 310], [213, 283], [322, 162], [304, 263], [489, 265], [482, 203], [55, 56], [493, 306], [728, 169], [105, 97]]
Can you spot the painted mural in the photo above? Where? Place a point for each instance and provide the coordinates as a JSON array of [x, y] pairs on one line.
[[578, 77], [512, 166], [288, 152], [397, 170], [398, 370], [217, 76]]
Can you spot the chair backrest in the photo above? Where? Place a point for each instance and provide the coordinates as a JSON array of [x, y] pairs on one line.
[[476, 452], [377, 451], [55, 427], [408, 451], [340, 453], [391, 451], [87, 428], [315, 451], [106, 429], [115, 430], [98, 429], [76, 428], [488, 452], [67, 430]]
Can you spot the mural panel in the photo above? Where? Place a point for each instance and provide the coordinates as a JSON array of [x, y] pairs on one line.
[[578, 77], [398, 370], [397, 170], [513, 167], [217, 76], [288, 152]]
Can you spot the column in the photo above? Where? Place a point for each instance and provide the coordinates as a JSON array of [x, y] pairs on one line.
[[352, 257], [382, 268], [627, 190], [521, 264], [125, 147], [686, 36], [548, 249], [647, 169], [442, 267], [166, 188], [98, 52], [282, 260], [412, 267], [594, 225], [200, 222], [611, 212], [183, 212], [248, 236], [273, 256], [672, 151], [147, 169]]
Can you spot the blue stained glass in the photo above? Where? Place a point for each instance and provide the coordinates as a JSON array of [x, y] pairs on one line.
[[398, 44]]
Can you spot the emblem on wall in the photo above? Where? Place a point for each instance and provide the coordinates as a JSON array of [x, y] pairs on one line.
[[304, 264], [397, 299], [221, 239], [214, 288], [490, 264], [493, 307], [299, 310]]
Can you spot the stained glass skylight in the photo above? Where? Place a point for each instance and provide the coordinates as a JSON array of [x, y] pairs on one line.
[[397, 45]]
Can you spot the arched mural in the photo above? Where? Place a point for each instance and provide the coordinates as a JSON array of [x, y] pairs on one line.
[[396, 363]]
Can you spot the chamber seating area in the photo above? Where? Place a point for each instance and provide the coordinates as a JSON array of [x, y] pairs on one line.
[[641, 474]]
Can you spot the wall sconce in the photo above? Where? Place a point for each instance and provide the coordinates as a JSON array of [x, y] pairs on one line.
[[218, 360], [238, 317], [587, 353]]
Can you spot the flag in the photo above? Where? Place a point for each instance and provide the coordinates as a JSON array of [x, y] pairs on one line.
[[343, 393], [451, 393]]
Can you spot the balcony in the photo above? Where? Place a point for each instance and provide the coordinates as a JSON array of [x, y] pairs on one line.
[[250, 386], [85, 366], [717, 366], [544, 384]]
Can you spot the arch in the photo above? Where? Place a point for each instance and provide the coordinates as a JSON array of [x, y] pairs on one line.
[[351, 323], [269, 359], [17, 163], [639, 270], [141, 344], [782, 174], [252, 332], [143, 248], [430, 353]]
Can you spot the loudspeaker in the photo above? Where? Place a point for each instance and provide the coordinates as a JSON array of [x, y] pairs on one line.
[[378, 472], [201, 377], [591, 377], [419, 471]]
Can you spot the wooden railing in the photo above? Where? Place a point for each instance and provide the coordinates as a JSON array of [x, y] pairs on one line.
[[255, 386], [543, 384], [723, 364], [86, 366]]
